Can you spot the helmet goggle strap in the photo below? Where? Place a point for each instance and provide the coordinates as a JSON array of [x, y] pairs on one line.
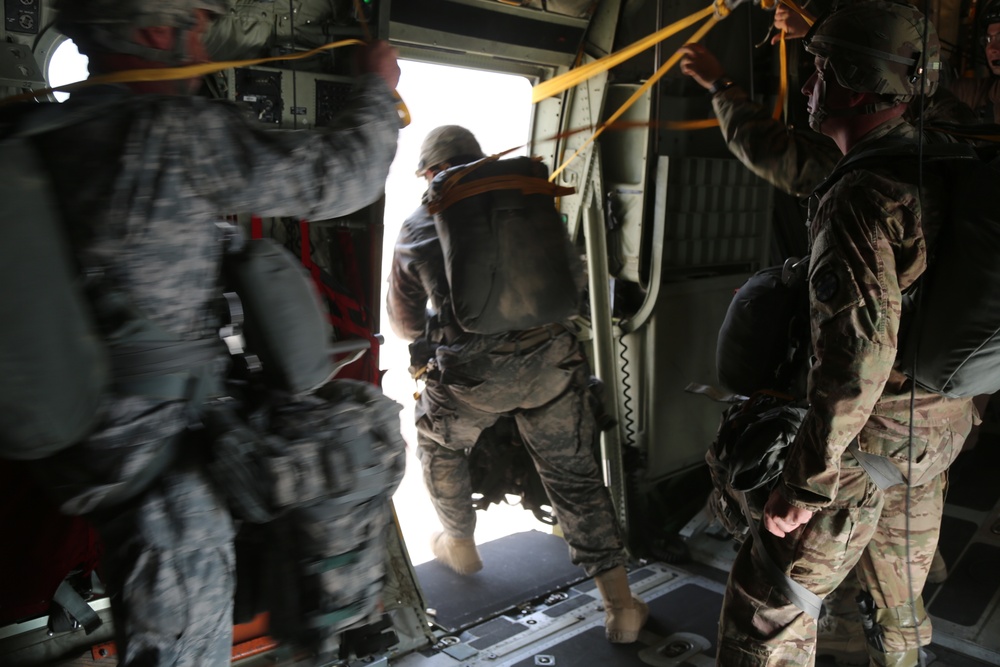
[[825, 73]]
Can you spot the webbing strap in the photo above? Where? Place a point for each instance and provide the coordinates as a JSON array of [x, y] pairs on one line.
[[335, 617], [67, 597], [193, 72], [673, 60], [140, 360], [879, 468], [529, 185], [580, 74], [796, 593]]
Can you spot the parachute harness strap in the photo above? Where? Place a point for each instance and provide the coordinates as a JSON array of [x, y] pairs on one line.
[[452, 190]]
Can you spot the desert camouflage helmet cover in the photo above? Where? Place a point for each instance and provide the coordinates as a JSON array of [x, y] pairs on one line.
[[108, 25], [877, 47], [446, 142]]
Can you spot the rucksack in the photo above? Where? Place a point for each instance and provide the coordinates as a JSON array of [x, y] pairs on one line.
[[312, 478], [748, 455], [949, 339], [508, 258], [500, 466]]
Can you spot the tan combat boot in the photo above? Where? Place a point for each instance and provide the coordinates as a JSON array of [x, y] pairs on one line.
[[842, 639], [458, 553], [624, 614]]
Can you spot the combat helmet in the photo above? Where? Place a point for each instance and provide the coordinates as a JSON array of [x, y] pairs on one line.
[[990, 14], [445, 143], [878, 47], [107, 25]]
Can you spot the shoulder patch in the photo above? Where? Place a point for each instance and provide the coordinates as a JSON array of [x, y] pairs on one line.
[[826, 285]]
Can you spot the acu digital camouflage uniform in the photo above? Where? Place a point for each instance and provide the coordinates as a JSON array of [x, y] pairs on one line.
[[869, 236], [538, 377], [141, 181]]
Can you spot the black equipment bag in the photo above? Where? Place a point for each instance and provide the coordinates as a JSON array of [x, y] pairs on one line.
[[315, 474], [764, 339], [748, 455], [508, 258]]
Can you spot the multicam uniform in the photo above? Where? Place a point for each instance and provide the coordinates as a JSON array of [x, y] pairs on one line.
[[141, 184], [539, 377], [868, 244]]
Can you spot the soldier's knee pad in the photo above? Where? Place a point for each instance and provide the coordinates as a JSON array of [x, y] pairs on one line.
[[909, 658], [894, 630]]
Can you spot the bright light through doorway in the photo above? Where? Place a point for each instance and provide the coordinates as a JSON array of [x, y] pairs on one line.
[[67, 65], [497, 109]]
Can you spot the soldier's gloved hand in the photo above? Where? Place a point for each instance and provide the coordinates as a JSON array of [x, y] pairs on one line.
[[421, 352]]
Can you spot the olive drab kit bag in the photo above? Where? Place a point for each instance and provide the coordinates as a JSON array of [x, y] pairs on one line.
[[508, 258], [309, 463]]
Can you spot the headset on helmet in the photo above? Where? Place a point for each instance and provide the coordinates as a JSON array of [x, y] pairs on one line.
[[107, 25], [878, 47]]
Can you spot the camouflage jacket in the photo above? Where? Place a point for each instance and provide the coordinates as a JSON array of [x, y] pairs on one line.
[[791, 160], [141, 181], [417, 279], [869, 243]]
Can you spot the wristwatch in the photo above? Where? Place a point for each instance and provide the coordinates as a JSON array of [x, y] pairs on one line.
[[721, 84]]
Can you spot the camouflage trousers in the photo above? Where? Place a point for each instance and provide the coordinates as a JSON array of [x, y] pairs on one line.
[[864, 533], [544, 390], [170, 567], [169, 562]]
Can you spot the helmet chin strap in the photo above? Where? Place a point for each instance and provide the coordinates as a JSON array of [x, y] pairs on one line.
[[823, 112]]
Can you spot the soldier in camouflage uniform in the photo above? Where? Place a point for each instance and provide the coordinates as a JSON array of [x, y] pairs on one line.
[[539, 377], [794, 161], [869, 236], [141, 180]]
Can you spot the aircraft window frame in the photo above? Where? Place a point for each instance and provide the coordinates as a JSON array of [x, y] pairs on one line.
[[48, 44]]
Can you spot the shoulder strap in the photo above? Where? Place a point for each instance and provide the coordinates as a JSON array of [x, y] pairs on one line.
[[887, 153]]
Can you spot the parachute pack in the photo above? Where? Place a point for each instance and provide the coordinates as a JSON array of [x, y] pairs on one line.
[[48, 335], [508, 258], [950, 334]]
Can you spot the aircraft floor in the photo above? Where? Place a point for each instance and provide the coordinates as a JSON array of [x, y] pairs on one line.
[[567, 631]]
